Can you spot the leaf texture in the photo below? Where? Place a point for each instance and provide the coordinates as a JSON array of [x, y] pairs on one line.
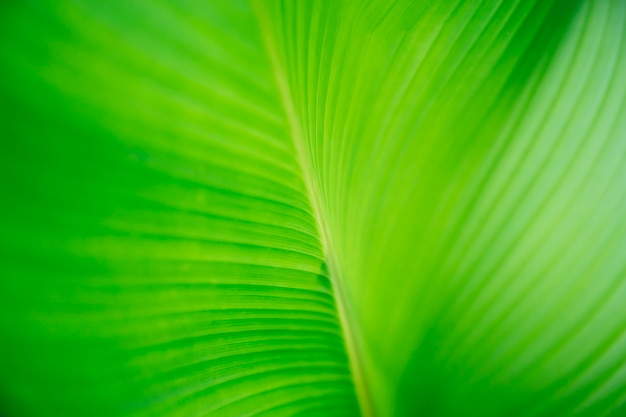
[[160, 255], [326, 208], [468, 154]]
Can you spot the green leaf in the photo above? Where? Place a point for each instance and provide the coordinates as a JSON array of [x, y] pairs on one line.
[[328, 208]]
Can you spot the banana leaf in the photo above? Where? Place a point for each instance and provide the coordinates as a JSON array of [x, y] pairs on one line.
[[313, 208]]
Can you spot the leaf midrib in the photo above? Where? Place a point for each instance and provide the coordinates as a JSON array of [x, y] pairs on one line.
[[346, 323]]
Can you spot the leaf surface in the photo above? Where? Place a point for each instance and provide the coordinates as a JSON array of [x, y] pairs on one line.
[[325, 208]]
